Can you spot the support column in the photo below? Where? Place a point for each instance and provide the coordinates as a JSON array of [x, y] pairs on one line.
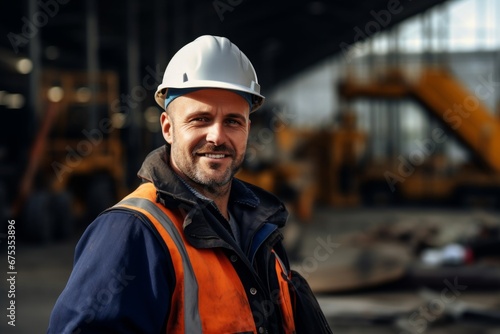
[[134, 119], [34, 76], [92, 53]]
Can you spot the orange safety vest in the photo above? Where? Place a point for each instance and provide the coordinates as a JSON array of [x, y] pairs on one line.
[[209, 297]]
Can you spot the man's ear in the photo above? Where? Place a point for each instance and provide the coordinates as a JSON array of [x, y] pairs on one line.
[[166, 127]]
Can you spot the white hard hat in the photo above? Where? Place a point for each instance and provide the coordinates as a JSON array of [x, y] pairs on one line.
[[210, 62]]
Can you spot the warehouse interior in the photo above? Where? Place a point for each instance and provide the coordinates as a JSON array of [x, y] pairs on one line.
[[380, 132]]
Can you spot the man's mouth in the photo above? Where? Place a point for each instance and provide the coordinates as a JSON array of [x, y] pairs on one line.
[[214, 155], [214, 152]]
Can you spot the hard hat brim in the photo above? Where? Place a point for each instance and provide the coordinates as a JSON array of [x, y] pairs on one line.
[[257, 99]]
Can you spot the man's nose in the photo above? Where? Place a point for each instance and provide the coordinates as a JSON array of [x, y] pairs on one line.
[[216, 134]]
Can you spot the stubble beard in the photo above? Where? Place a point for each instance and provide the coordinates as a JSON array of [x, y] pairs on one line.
[[191, 167]]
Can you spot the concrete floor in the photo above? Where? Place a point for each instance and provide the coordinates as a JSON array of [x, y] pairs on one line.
[[44, 270], [396, 307]]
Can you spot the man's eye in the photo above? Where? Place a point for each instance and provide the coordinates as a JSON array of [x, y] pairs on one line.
[[233, 122], [200, 119]]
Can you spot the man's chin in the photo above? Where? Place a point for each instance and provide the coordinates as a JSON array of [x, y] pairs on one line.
[[214, 177], [216, 181]]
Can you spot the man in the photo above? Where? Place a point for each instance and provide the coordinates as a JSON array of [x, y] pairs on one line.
[[192, 250]]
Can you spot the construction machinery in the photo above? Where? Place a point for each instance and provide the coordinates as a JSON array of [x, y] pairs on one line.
[[283, 160], [75, 167], [426, 175]]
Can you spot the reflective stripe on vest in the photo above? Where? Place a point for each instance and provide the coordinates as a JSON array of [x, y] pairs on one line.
[[192, 323]]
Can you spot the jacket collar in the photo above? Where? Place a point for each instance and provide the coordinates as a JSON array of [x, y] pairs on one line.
[[245, 197]]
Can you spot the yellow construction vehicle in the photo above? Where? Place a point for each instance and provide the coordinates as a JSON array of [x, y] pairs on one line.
[[280, 160], [427, 176], [76, 165]]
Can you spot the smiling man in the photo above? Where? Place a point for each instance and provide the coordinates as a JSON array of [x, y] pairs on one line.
[[192, 249]]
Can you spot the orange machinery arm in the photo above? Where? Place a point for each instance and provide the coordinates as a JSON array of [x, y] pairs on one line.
[[38, 149], [448, 100]]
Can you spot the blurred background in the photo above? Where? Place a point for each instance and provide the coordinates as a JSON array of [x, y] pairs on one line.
[[380, 132]]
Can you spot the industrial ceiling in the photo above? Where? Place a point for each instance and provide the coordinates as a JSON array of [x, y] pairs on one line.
[[280, 37]]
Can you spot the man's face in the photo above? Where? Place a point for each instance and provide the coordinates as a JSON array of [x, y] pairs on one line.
[[208, 132]]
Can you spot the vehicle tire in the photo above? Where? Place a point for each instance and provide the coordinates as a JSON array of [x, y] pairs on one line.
[[64, 218], [37, 223], [100, 196]]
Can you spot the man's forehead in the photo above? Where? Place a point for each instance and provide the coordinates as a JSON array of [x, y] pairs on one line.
[[211, 99]]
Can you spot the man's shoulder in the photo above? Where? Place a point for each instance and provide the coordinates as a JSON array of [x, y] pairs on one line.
[[117, 218], [119, 231]]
